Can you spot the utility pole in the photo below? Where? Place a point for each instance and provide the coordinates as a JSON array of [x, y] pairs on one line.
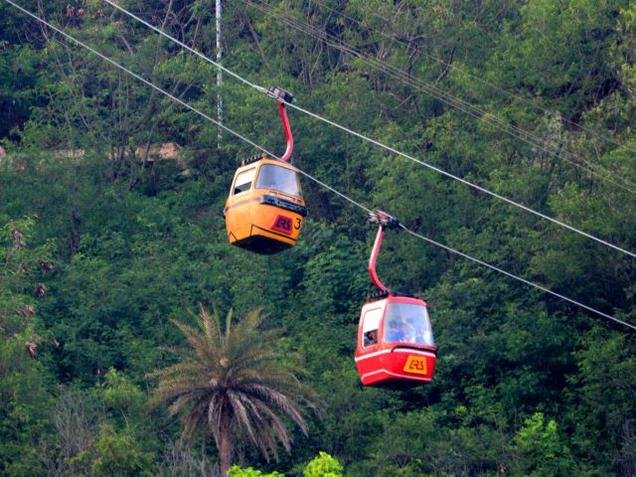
[[219, 73]]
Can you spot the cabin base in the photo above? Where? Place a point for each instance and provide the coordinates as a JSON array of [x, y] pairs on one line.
[[383, 378], [396, 384], [262, 245]]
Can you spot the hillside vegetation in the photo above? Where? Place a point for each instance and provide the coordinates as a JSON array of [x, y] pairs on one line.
[[106, 241]]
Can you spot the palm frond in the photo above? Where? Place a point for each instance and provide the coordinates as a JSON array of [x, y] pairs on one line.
[[233, 382]]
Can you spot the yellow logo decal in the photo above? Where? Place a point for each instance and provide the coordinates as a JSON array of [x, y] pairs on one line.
[[416, 364]]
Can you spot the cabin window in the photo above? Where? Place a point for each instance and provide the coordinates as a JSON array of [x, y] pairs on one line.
[[370, 326], [243, 181], [408, 323], [278, 178]]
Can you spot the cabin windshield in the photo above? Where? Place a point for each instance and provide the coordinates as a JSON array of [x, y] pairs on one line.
[[278, 178], [408, 323]]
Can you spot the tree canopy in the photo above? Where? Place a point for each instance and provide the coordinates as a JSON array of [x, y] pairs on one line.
[[111, 228]]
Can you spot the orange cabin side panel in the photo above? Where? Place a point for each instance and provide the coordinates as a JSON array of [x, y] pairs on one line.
[[245, 216], [260, 219]]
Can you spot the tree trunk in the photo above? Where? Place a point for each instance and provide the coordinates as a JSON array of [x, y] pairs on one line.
[[75, 230], [225, 451]]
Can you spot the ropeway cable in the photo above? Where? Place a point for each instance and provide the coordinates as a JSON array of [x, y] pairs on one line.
[[466, 182], [184, 104], [516, 277], [344, 196], [433, 90], [394, 36], [378, 143], [189, 48]]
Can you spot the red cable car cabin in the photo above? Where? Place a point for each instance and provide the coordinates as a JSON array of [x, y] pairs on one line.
[[395, 345]]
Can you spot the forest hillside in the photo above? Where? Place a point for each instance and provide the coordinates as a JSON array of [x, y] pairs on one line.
[[501, 135]]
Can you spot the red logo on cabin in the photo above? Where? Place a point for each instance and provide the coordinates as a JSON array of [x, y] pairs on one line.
[[283, 224]]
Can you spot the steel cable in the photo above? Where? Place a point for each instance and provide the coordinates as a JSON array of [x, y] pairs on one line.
[[322, 184]]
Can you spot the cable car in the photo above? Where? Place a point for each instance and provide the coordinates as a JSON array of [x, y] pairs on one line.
[[265, 209], [395, 347]]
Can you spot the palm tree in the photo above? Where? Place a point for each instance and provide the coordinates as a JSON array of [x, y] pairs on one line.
[[232, 383]]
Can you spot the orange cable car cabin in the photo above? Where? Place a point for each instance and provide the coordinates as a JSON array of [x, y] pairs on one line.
[[395, 347], [265, 209]]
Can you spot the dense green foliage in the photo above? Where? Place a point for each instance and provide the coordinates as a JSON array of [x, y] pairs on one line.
[[102, 244]]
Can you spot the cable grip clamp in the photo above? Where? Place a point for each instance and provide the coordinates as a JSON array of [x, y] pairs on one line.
[[385, 220], [279, 93]]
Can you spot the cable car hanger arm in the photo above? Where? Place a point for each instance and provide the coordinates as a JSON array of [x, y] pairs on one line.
[[383, 220], [284, 97]]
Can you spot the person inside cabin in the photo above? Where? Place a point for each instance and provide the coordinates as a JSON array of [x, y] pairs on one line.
[[410, 330], [421, 331], [395, 331], [370, 337]]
